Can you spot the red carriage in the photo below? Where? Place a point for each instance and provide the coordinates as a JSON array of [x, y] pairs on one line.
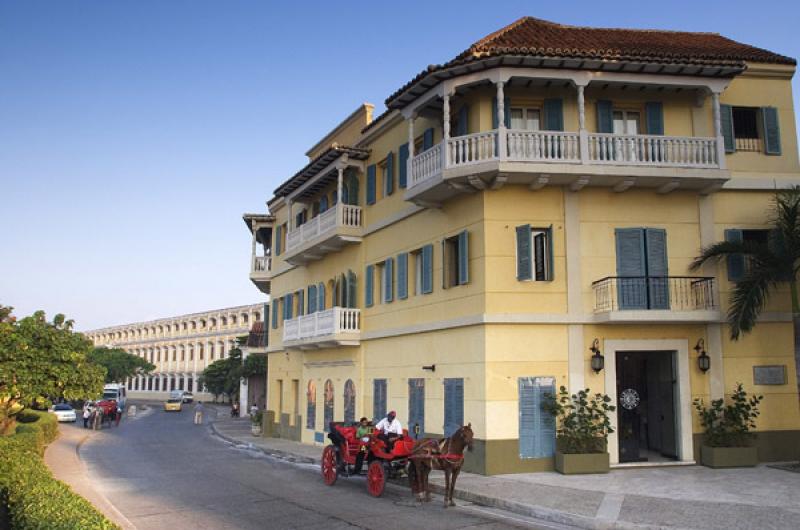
[[347, 455]]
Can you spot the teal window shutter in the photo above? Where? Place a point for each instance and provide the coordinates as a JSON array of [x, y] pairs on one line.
[[657, 269], [402, 168], [368, 294], [453, 405], [378, 398], [300, 303], [275, 314], [371, 184], [605, 117], [553, 114], [736, 266], [388, 277], [427, 269], [726, 124], [631, 268], [524, 266], [654, 114], [463, 120], [351, 301], [312, 299], [772, 131], [402, 276], [321, 296], [463, 258], [550, 269], [289, 301], [388, 185], [278, 240], [416, 407], [427, 139], [537, 427]]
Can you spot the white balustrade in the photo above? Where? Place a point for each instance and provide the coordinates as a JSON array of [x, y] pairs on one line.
[[322, 323], [426, 164], [652, 150], [472, 148], [323, 224], [547, 146], [262, 263], [748, 144]]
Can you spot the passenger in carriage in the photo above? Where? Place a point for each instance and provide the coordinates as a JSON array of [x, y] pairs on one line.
[[390, 430], [364, 430]]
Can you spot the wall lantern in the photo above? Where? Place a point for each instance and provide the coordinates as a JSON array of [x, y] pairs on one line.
[[703, 360], [598, 361], [431, 367]]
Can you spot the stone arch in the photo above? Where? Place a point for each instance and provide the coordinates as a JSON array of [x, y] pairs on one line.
[[245, 318]]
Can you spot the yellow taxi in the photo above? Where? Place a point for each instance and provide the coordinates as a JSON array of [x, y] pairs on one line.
[[173, 404]]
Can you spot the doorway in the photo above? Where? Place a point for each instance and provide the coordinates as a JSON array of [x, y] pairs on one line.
[[646, 406]]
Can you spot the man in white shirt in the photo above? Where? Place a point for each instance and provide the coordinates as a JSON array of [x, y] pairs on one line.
[[390, 429]]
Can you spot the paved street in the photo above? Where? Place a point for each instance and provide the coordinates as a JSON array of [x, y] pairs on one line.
[[160, 471]]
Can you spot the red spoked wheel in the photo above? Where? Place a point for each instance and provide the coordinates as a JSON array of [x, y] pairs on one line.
[[328, 465], [376, 478]]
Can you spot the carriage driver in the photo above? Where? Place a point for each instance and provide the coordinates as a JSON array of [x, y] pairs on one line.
[[390, 429]]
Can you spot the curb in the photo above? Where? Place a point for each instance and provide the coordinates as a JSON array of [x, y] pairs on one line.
[[275, 453]]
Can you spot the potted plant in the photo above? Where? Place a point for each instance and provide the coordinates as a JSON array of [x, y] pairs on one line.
[[582, 433], [255, 422], [727, 441]]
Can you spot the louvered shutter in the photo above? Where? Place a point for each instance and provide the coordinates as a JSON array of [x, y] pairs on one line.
[[654, 114], [735, 261], [402, 276], [275, 314], [300, 303], [368, 286], [278, 240], [427, 269], [554, 114], [378, 399], [402, 168], [388, 184], [453, 405], [550, 261], [605, 117], [524, 269], [463, 258], [352, 303], [427, 139], [463, 116], [321, 296], [772, 131], [537, 428], [371, 184], [416, 407], [631, 285], [657, 281], [726, 124], [388, 276], [289, 302], [312, 299]]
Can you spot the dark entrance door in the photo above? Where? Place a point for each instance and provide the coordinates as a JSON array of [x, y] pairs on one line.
[[646, 406], [416, 407]]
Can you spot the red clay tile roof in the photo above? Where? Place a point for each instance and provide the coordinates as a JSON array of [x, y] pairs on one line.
[[258, 335], [534, 37]]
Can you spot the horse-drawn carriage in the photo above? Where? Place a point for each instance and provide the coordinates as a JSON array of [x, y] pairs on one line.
[[416, 458]]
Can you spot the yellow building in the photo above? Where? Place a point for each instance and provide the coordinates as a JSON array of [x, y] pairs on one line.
[[530, 204]]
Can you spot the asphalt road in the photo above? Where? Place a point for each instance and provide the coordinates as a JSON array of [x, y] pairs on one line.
[[161, 471]]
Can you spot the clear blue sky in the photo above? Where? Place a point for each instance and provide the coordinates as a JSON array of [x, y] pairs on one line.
[[133, 135]]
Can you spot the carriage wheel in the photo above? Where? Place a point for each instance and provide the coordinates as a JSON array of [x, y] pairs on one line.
[[376, 478], [328, 465]]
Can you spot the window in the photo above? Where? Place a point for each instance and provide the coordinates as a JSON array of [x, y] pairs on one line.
[[456, 260], [328, 411], [527, 119], [423, 270], [745, 129], [402, 276], [753, 129], [368, 287], [738, 264], [311, 405], [349, 401], [534, 253], [386, 274], [626, 122], [387, 174], [300, 218], [378, 398]]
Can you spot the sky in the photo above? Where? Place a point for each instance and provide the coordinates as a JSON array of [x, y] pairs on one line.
[[134, 134]]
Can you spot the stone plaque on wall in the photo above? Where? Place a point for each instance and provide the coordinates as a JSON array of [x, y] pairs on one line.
[[769, 374]]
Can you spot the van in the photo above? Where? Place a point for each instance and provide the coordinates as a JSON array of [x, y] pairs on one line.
[[117, 392]]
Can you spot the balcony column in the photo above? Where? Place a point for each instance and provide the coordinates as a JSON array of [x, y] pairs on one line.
[[718, 129], [339, 186], [253, 250], [445, 130], [501, 122], [289, 220], [583, 135], [409, 162]]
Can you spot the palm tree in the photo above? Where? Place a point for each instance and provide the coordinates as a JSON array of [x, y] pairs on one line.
[[769, 265]]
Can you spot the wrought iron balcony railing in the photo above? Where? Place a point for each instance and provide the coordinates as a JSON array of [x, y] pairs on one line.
[[676, 293]]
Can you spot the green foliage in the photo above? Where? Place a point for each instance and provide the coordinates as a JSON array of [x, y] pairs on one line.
[[31, 497], [729, 425], [254, 365], [222, 377], [583, 422], [119, 364], [257, 418], [43, 361]]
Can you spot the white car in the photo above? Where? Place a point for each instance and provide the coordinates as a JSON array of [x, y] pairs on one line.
[[64, 412]]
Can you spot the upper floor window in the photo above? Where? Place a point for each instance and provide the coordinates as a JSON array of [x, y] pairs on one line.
[[527, 119], [754, 129], [456, 260], [534, 253], [626, 122]]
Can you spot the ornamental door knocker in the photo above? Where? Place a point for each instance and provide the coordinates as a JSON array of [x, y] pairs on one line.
[[629, 399]]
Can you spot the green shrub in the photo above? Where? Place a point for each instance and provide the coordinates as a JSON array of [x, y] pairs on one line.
[[583, 420], [729, 425], [32, 499]]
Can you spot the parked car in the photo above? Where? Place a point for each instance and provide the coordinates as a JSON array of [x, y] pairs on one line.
[[173, 404], [64, 412], [188, 397]]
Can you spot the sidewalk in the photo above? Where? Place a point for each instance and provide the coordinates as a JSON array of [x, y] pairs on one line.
[[662, 497]]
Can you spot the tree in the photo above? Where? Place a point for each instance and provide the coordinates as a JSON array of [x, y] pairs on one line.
[[769, 265], [43, 361], [119, 364], [222, 377], [254, 365]]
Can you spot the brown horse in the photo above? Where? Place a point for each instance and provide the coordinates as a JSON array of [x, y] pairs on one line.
[[445, 454]]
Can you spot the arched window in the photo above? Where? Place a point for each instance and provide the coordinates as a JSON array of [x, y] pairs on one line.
[[213, 322], [233, 320], [201, 352], [311, 406], [351, 297], [328, 413], [175, 353], [244, 318], [211, 352], [349, 401], [257, 316], [191, 352], [194, 324]]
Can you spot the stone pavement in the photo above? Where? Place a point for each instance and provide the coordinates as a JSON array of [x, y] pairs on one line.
[[658, 497]]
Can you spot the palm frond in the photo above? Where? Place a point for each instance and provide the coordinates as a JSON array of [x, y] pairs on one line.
[[749, 297], [723, 249]]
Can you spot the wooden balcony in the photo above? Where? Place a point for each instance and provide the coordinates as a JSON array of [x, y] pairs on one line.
[[328, 232], [337, 326], [261, 272]]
